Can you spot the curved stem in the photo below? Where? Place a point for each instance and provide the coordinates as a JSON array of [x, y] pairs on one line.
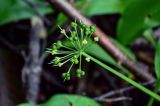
[[132, 82]]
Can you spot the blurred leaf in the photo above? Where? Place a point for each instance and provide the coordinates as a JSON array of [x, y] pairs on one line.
[[100, 53], [59, 21], [13, 10], [155, 14], [133, 21], [27, 104], [93, 7], [99, 7], [73, 100], [67, 100], [157, 60], [124, 49]]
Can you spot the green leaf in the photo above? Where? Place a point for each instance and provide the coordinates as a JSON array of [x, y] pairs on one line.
[[124, 49], [100, 53], [133, 20], [157, 60], [73, 100], [67, 100], [93, 7], [13, 10], [99, 7], [59, 21], [27, 104]]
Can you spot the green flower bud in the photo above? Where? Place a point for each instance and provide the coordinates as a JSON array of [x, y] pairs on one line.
[[87, 31], [83, 26], [56, 60], [78, 71], [76, 61], [78, 75], [87, 59], [73, 24], [67, 78], [71, 39], [82, 73], [92, 29], [60, 64], [75, 38], [53, 52], [68, 74], [73, 33], [75, 56], [63, 75], [63, 31], [84, 42], [96, 38], [59, 44], [54, 47]]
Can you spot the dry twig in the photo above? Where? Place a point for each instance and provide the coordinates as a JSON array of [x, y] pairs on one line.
[[33, 62]]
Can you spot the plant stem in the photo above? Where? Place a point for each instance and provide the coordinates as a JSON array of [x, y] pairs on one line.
[[151, 100], [142, 88]]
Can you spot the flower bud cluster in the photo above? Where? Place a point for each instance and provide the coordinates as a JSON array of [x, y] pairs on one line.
[[79, 38]]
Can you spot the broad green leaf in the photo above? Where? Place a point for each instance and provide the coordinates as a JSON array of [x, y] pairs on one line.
[[99, 7], [73, 100], [100, 53], [27, 104], [157, 60], [133, 20], [155, 13], [13, 10], [124, 49], [67, 100]]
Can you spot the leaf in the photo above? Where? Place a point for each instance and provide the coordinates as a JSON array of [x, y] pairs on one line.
[[59, 21], [93, 7], [13, 10], [124, 49], [67, 100], [73, 100], [27, 104], [99, 7], [132, 23], [100, 53], [157, 60]]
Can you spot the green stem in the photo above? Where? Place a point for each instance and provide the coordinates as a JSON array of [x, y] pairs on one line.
[[144, 89], [151, 100]]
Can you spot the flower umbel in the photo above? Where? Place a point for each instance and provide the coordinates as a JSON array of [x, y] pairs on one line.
[[79, 40]]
